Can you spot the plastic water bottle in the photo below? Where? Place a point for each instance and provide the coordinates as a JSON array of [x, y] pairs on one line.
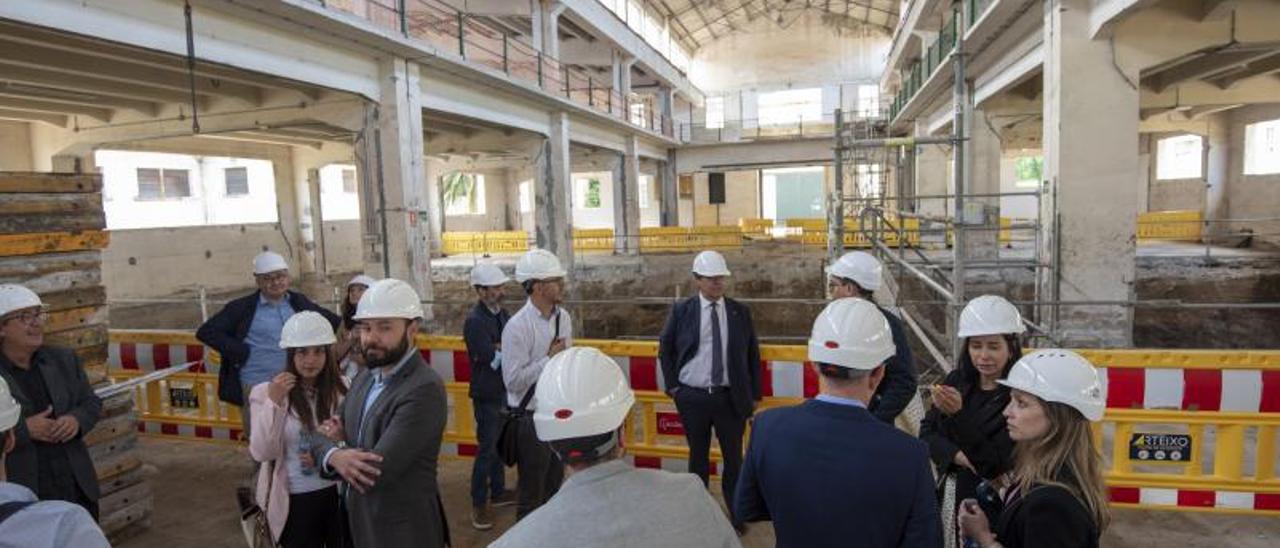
[[304, 448]]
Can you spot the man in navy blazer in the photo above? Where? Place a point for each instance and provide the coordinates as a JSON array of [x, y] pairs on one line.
[[827, 472], [711, 367]]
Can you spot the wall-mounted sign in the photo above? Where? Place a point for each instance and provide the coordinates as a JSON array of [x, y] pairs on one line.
[[1160, 447]]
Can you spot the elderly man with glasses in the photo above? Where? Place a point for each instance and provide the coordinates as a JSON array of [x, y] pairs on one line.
[[59, 407]]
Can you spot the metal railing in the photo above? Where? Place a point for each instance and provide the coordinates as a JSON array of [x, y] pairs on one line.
[[934, 55], [449, 29]]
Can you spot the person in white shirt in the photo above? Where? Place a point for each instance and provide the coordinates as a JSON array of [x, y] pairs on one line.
[[539, 331], [27, 522], [302, 507]]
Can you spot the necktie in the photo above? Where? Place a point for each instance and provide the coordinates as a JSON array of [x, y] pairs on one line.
[[717, 352]]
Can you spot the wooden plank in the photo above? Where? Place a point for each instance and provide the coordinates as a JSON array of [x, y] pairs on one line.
[[123, 518], [117, 405], [93, 335], [74, 298], [115, 464], [75, 318], [44, 203], [121, 499], [44, 222], [51, 242], [18, 181], [111, 428], [109, 449], [97, 375], [124, 480], [21, 269]]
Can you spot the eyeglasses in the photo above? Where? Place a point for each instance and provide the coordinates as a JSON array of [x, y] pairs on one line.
[[30, 317], [274, 277]]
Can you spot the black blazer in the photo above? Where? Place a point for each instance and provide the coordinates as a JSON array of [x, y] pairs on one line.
[[70, 394], [679, 343], [1047, 516], [226, 330], [482, 332]]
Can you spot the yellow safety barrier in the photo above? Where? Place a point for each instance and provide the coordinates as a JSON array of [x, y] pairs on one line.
[[593, 239], [1184, 429], [1181, 225], [508, 241], [755, 226], [684, 239]]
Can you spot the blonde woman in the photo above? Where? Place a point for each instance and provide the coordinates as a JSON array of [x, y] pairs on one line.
[[1056, 497], [302, 508]]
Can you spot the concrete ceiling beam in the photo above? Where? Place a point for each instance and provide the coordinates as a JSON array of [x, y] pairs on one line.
[[59, 120], [1203, 67], [142, 98], [79, 99], [1259, 67], [97, 113]]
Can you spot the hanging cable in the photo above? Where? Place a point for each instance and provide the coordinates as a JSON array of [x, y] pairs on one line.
[[191, 68]]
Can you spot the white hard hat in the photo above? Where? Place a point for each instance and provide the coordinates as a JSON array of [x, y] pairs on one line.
[[361, 279], [1060, 376], [990, 315], [538, 264], [710, 263], [14, 297], [487, 275], [389, 298], [269, 261], [306, 328], [10, 411], [858, 266], [581, 392], [851, 333]]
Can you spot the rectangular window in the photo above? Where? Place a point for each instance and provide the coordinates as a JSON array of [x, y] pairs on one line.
[[588, 191], [789, 106], [1028, 171], [163, 184], [349, 181], [646, 189], [1262, 148], [715, 112], [526, 196], [463, 193], [868, 180], [868, 101], [1179, 157], [237, 181]]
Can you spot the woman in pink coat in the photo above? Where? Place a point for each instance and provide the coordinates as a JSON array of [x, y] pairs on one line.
[[302, 508]]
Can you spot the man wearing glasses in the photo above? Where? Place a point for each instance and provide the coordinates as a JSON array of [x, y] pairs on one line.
[[246, 332], [58, 406]]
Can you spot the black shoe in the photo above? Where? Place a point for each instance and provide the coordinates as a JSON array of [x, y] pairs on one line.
[[507, 498]]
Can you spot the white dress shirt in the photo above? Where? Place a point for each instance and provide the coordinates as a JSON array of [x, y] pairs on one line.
[[697, 372], [47, 524], [525, 341]]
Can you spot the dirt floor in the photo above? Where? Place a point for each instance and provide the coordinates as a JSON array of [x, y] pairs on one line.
[[194, 485]]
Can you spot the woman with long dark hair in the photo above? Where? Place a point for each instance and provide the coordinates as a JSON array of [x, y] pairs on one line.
[[347, 349], [1056, 497], [302, 508], [965, 429]]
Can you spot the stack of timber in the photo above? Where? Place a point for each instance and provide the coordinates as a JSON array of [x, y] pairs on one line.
[[51, 240]]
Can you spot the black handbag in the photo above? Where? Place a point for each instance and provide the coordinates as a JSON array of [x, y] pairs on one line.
[[509, 435]]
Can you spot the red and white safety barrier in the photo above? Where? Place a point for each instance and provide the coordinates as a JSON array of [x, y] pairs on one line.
[[147, 357], [1190, 498], [1239, 390], [188, 431]]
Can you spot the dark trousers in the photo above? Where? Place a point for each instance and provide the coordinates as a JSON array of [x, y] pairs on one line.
[[487, 473], [539, 469], [700, 412], [315, 520]]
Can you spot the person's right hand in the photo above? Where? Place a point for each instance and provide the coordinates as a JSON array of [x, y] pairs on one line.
[[332, 429], [947, 399], [357, 466], [40, 427], [557, 346], [280, 386], [963, 461]]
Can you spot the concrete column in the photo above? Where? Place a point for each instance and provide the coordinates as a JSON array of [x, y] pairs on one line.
[[553, 194], [404, 214], [666, 99], [668, 183], [1217, 172], [622, 64], [1090, 162], [626, 201], [548, 19], [983, 164], [435, 168], [931, 176], [304, 233]]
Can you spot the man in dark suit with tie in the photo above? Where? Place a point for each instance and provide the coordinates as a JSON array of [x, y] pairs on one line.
[[827, 472], [711, 367]]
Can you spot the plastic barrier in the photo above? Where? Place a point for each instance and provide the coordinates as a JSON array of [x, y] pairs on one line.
[[1184, 430], [1180, 225]]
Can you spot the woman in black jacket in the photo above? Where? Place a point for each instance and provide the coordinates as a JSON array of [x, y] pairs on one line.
[[965, 430], [1056, 498]]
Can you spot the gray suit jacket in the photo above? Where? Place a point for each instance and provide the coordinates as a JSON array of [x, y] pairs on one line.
[[70, 394], [404, 426], [616, 505]]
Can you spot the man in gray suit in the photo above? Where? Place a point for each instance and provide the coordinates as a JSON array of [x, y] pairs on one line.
[[389, 429], [583, 400]]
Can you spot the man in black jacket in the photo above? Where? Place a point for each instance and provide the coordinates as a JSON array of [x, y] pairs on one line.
[[857, 274], [710, 361], [246, 332], [482, 333]]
